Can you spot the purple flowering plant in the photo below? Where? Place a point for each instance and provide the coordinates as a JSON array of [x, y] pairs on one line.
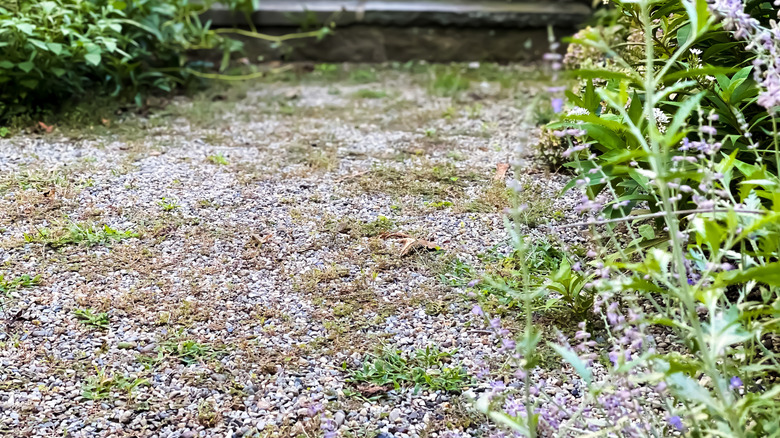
[[677, 160]]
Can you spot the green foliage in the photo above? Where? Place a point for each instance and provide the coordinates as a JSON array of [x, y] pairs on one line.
[[90, 318], [554, 287], [366, 93], [218, 159], [448, 81], [362, 76], [55, 49], [11, 284], [79, 233], [707, 75], [168, 204], [689, 239], [427, 368], [187, 351], [104, 385], [382, 224]]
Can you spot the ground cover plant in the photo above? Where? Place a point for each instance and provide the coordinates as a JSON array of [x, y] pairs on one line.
[[56, 50], [672, 135]]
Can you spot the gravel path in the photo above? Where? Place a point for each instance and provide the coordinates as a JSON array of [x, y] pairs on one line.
[[221, 267]]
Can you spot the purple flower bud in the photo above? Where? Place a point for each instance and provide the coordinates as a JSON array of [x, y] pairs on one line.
[[473, 283], [709, 130], [676, 422], [735, 382], [477, 310], [557, 105]]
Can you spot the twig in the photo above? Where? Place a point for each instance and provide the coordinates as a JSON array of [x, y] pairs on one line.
[[272, 38], [659, 214]]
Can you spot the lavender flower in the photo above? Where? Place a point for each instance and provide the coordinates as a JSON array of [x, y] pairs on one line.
[[676, 422]]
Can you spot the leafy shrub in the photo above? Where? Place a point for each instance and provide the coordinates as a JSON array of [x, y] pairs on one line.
[[55, 49], [709, 78], [657, 139]]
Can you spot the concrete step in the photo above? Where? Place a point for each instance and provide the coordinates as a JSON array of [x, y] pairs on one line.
[[402, 30], [408, 13]]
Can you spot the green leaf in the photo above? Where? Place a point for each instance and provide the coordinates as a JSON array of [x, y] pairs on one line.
[[696, 72], [689, 389], [55, 48], [600, 74], [92, 58], [38, 43], [647, 231], [26, 66], [578, 364], [718, 48], [682, 114], [7, 64], [29, 83], [25, 28], [768, 274]]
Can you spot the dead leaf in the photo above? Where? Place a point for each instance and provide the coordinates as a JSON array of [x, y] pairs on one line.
[[47, 128], [501, 169], [354, 175], [154, 153], [257, 240], [292, 94], [412, 244], [105, 122], [394, 235], [369, 390]]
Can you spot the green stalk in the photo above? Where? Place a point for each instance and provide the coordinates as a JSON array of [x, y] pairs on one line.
[[657, 160]]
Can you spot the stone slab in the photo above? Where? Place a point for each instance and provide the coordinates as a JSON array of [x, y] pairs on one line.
[[361, 43], [407, 13]]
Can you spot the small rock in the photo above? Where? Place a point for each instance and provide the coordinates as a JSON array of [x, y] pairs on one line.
[[338, 418], [395, 415]]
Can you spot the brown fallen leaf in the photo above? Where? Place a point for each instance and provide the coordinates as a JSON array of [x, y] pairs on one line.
[[369, 390], [354, 175], [47, 128], [412, 244], [292, 94], [105, 122], [257, 240], [501, 169], [394, 235]]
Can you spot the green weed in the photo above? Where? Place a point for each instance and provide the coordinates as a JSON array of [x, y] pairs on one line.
[[448, 82], [90, 318], [427, 368], [102, 385], [187, 351], [381, 225], [11, 284], [168, 204], [78, 233], [362, 76], [366, 93], [218, 159]]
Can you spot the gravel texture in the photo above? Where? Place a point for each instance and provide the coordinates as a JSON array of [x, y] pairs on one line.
[[257, 273]]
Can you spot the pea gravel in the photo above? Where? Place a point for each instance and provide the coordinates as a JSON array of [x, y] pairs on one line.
[[252, 281]]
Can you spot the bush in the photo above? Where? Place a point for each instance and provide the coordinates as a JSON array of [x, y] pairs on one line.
[[712, 78], [686, 136], [56, 49]]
